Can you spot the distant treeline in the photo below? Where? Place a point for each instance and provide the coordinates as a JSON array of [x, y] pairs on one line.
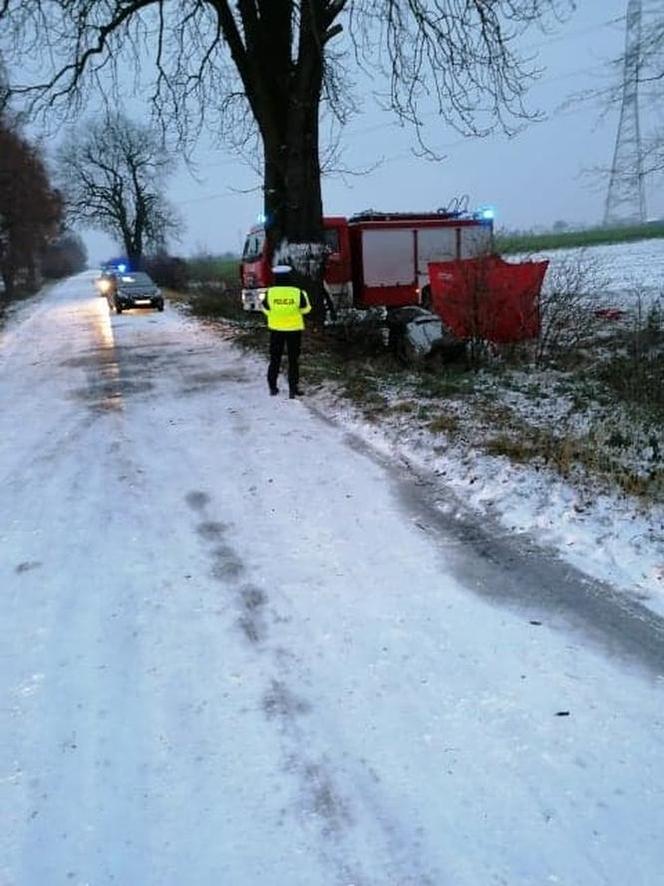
[[524, 242]]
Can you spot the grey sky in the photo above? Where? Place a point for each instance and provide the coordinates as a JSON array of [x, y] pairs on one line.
[[533, 179]]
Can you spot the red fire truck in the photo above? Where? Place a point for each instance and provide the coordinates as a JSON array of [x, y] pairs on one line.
[[377, 258], [402, 259]]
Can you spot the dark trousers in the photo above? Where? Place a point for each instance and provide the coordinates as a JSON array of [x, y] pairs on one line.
[[292, 341]]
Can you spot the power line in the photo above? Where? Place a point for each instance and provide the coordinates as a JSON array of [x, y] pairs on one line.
[[218, 196]]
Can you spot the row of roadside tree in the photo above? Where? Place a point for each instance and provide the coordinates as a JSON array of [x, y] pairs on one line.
[[33, 240]]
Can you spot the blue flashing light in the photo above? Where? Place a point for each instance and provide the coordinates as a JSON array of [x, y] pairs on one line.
[[262, 218], [487, 213], [122, 268]]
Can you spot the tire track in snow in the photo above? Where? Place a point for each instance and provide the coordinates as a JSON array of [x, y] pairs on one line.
[[326, 803]]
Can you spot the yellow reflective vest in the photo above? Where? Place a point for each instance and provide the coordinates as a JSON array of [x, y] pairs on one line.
[[285, 307]]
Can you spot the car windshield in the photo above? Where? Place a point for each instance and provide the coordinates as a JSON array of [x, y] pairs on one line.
[[140, 278]]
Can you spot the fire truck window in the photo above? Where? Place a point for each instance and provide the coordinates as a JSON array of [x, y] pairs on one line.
[[475, 241], [435, 244], [253, 247], [332, 239], [388, 257]]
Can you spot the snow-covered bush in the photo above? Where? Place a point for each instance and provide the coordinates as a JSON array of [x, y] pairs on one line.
[[568, 309]]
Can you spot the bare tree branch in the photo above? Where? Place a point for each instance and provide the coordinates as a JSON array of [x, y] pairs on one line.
[[113, 175]]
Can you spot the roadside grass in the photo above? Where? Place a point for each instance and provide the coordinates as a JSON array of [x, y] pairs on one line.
[[452, 381], [633, 369], [566, 454], [444, 424], [587, 413], [510, 243], [576, 422]]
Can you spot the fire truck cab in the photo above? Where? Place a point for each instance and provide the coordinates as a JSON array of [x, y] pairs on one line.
[[257, 260]]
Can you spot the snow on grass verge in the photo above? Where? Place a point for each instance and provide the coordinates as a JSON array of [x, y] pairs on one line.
[[606, 533]]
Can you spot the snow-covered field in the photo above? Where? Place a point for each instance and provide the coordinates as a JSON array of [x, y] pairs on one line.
[[241, 649], [624, 271]]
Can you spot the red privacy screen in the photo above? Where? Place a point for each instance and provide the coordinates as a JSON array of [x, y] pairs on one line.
[[488, 298]]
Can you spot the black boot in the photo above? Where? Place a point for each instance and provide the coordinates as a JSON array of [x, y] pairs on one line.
[[274, 390]]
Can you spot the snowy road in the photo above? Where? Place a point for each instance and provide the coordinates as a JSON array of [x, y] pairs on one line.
[[237, 651]]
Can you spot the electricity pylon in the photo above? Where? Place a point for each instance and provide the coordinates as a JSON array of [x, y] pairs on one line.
[[626, 197]]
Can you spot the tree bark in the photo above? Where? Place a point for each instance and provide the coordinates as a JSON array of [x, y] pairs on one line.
[[287, 112]]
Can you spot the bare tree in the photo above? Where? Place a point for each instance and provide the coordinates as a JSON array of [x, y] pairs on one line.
[[570, 309], [113, 174], [30, 209], [267, 66]]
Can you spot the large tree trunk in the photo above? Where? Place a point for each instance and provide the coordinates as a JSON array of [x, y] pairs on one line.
[[293, 203], [285, 98], [133, 250], [135, 258], [140, 221]]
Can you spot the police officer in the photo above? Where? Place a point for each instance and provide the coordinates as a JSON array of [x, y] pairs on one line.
[[285, 306]]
